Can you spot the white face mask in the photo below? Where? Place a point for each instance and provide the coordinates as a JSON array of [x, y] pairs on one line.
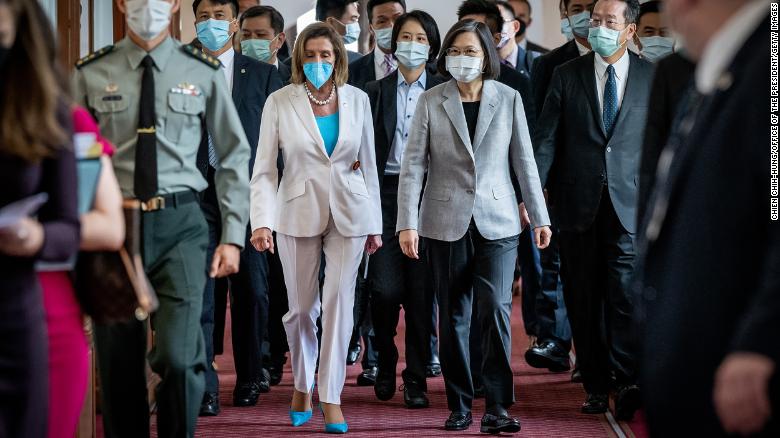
[[464, 68], [148, 18]]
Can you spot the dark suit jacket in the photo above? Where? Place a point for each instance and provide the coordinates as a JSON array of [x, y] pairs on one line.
[[362, 71], [571, 138], [522, 83], [673, 75], [253, 82], [533, 47], [710, 263], [542, 70], [285, 73], [382, 95]]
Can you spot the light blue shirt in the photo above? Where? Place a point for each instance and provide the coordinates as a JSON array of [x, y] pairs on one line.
[[406, 102], [329, 130]]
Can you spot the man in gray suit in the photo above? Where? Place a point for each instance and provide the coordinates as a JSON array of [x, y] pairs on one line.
[[590, 141]]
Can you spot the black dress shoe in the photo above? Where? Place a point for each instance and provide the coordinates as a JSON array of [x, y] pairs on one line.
[[384, 386], [353, 354], [433, 370], [595, 404], [576, 375], [548, 354], [275, 373], [458, 421], [496, 424], [265, 381], [209, 407], [414, 395], [367, 377], [627, 401], [246, 394]]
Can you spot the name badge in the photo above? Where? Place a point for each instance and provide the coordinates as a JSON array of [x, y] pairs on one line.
[[186, 89]]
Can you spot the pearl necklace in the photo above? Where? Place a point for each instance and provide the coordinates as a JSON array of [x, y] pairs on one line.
[[320, 102]]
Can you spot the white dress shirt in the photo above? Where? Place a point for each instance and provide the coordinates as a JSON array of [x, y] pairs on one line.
[[621, 74], [379, 63], [512, 58], [724, 45], [228, 60], [582, 49]]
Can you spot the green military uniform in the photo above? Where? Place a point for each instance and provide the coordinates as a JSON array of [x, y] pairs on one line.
[[189, 88]]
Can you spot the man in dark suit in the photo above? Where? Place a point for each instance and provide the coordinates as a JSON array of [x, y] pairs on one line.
[[380, 62], [396, 280], [512, 53], [251, 82], [343, 15], [710, 281], [590, 141], [262, 36], [522, 10]]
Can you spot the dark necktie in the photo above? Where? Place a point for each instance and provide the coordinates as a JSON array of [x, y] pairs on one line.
[[145, 175], [610, 101]]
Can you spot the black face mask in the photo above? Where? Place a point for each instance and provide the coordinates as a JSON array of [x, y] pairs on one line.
[[523, 27]]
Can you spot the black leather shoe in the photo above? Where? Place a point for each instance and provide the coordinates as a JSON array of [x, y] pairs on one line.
[[367, 377], [458, 421], [353, 354], [246, 393], [209, 407], [627, 401], [275, 373], [496, 424], [384, 386], [414, 396], [433, 370], [576, 375], [548, 354], [265, 381], [595, 404]]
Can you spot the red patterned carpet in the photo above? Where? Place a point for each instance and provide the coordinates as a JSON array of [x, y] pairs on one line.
[[547, 405]]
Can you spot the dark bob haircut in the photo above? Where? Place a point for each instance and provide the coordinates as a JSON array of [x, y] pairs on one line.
[[429, 26], [492, 67]]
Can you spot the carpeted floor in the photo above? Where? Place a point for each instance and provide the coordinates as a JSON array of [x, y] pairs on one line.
[[547, 405]]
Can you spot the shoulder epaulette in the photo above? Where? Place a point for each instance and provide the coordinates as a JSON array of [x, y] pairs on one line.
[[202, 57], [94, 56]]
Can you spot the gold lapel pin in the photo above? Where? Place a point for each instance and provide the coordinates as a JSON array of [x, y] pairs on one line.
[[112, 88]]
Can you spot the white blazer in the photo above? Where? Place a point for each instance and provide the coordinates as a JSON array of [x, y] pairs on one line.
[[313, 185]]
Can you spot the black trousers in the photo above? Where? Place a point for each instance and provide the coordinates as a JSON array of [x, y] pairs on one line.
[[597, 265], [396, 280], [469, 268], [277, 307], [249, 302]]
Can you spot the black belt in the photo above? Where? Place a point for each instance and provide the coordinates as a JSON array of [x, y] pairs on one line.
[[171, 200]]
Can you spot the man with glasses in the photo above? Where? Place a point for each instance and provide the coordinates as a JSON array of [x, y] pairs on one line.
[[512, 53], [588, 151]]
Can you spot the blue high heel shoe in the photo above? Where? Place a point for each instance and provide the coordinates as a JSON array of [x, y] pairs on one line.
[[299, 418], [340, 428]]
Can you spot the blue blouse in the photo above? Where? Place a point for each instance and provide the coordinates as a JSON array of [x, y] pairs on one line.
[[329, 130]]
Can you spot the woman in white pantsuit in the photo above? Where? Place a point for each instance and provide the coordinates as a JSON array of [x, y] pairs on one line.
[[327, 200]]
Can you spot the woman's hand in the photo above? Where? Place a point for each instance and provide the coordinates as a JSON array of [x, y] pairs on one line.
[[262, 239], [23, 239], [373, 243], [408, 239], [542, 237]]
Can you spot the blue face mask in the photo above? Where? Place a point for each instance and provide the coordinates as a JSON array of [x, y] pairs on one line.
[[318, 73], [566, 29], [258, 49], [656, 47], [604, 41], [384, 37], [412, 54], [580, 24], [353, 32], [213, 34]]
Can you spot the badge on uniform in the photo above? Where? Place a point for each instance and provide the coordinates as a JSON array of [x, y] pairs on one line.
[[111, 89], [186, 89]]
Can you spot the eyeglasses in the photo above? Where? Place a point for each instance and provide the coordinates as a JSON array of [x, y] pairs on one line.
[[468, 51], [612, 24]]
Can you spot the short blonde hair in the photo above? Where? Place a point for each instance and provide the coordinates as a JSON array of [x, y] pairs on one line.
[[320, 30]]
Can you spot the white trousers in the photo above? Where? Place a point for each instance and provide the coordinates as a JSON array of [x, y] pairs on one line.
[[300, 258]]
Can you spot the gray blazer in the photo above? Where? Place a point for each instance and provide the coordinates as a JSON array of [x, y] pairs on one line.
[[466, 180]]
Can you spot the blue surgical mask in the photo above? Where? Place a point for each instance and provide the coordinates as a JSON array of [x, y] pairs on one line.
[[412, 54], [353, 32], [213, 34], [656, 47], [580, 24], [384, 37], [318, 73], [258, 49], [566, 29], [604, 41]]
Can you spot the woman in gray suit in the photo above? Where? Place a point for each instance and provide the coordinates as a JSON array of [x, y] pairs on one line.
[[470, 137]]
